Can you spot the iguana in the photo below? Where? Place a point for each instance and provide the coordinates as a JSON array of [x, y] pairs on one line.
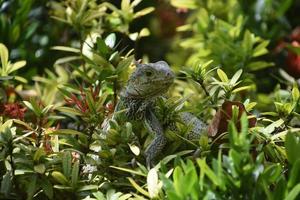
[[145, 85]]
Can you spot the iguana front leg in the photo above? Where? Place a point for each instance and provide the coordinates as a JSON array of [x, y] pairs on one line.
[[155, 148]]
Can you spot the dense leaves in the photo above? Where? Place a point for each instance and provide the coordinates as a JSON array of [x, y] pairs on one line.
[[59, 136]]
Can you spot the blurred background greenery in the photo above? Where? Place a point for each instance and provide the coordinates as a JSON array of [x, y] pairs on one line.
[[28, 29]]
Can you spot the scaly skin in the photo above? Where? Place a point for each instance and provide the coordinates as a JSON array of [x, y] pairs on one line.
[[146, 83]]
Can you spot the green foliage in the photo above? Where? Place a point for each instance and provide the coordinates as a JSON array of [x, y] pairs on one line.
[[86, 16], [231, 175], [7, 67], [221, 37], [58, 136]]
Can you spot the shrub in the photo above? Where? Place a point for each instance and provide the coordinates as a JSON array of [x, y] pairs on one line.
[[58, 139]]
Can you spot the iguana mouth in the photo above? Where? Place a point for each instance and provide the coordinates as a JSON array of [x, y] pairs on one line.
[[156, 92], [160, 81], [144, 95]]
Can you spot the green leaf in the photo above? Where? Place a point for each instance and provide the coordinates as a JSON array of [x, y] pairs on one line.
[[88, 188], [294, 176], [207, 170], [143, 12], [102, 47], [59, 177], [125, 197], [82, 73], [31, 30], [189, 178], [66, 59], [260, 49], [144, 32], [91, 103], [62, 187], [19, 122], [114, 56], [244, 124], [32, 187], [191, 4], [223, 77], [203, 23], [99, 195], [205, 65], [20, 79], [272, 173], [83, 5], [283, 7], [4, 78], [153, 184], [124, 64], [16, 66], [67, 163], [135, 149], [135, 3], [236, 77], [34, 107], [137, 187], [41, 168], [23, 171], [128, 130], [125, 5], [75, 172], [67, 132], [46, 109], [3, 57], [67, 49], [247, 41], [178, 177], [258, 65], [233, 133], [129, 171], [110, 40], [15, 33], [69, 110], [47, 187], [294, 193], [6, 183], [292, 145], [38, 154], [270, 128], [99, 63], [295, 94], [249, 106], [239, 89], [134, 36]]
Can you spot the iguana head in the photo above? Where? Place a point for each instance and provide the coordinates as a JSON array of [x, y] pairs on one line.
[[150, 80]]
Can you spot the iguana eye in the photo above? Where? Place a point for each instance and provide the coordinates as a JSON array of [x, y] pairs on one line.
[[149, 73]]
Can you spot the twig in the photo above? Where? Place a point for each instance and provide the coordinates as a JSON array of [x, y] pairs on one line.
[[205, 91]]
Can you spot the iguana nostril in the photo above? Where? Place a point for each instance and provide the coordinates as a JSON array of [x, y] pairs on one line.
[[169, 74]]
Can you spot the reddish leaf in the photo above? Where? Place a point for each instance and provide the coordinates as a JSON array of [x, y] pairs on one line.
[[47, 144], [219, 123], [14, 110], [293, 61]]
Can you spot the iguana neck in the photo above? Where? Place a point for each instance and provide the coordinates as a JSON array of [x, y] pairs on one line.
[[136, 106]]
